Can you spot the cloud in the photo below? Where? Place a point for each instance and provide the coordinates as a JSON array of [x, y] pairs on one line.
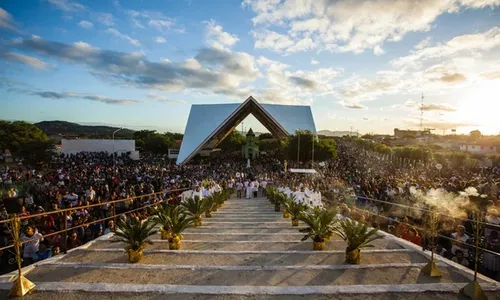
[[423, 43], [303, 82], [217, 37], [333, 26], [353, 105], [66, 5], [452, 78], [314, 61], [50, 95], [438, 124], [160, 40], [122, 36], [27, 60], [460, 45], [218, 69], [162, 99], [153, 19], [363, 89], [491, 75], [85, 24], [161, 24], [109, 100], [437, 107], [106, 19], [6, 21]]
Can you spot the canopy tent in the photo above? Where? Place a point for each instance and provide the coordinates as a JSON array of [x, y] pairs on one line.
[[209, 124], [305, 171]]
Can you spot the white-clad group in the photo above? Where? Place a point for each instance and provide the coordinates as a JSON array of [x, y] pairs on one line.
[[251, 187], [201, 192], [303, 194]]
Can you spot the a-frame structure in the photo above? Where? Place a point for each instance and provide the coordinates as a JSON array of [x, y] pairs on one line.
[[209, 124]]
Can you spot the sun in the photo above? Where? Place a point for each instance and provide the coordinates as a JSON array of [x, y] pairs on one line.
[[479, 107]]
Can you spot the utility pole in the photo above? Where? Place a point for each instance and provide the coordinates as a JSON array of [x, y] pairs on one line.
[[351, 131], [298, 147], [314, 140], [114, 159], [422, 112]]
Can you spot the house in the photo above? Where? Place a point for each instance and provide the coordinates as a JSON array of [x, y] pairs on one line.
[[478, 147]]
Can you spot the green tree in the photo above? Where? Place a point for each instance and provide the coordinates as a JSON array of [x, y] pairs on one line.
[[265, 136], [475, 134], [324, 149], [26, 141], [233, 142]]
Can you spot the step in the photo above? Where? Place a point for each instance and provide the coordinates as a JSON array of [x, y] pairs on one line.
[[236, 246], [180, 258], [65, 291], [295, 236], [242, 224], [368, 275], [249, 230], [216, 218]]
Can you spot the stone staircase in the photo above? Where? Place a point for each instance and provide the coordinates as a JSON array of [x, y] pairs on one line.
[[246, 251]]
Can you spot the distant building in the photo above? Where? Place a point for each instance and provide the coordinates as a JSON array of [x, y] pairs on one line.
[[478, 148], [109, 146], [410, 133]]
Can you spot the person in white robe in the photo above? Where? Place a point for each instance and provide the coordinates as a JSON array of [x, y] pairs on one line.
[[255, 188], [249, 190]]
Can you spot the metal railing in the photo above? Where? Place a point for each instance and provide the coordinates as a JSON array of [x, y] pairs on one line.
[[114, 216]]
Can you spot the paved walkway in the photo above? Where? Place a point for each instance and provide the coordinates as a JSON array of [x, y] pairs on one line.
[[245, 251]]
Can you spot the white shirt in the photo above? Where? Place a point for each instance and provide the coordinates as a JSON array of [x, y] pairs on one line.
[[31, 247]]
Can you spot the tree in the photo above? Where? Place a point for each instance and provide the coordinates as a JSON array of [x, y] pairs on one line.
[[475, 134], [233, 142], [324, 149], [26, 141], [265, 136]]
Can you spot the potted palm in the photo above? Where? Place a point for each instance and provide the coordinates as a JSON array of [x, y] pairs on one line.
[[278, 198], [219, 198], [210, 205], [357, 235], [320, 225], [294, 209], [195, 207], [135, 235], [180, 221], [162, 216]]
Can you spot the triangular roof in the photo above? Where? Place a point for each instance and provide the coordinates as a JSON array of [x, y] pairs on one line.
[[250, 132], [209, 124]]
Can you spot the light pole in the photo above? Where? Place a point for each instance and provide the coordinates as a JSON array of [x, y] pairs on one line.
[[114, 171]]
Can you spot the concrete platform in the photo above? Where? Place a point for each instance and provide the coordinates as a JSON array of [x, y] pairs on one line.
[[246, 251]]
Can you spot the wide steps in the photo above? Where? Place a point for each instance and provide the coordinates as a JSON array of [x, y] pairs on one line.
[[374, 274], [182, 258]]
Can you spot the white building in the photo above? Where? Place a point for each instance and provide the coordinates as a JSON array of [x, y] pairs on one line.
[[110, 146], [478, 148]]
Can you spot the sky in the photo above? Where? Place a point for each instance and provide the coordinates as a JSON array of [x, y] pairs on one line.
[[359, 64]]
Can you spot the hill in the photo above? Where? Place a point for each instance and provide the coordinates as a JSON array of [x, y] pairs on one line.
[[335, 133], [68, 129]]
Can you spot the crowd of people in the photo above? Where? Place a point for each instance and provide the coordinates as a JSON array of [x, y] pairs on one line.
[[364, 184]]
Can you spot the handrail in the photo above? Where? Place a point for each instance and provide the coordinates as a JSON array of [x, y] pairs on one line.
[[424, 230], [91, 205], [90, 223], [427, 210]]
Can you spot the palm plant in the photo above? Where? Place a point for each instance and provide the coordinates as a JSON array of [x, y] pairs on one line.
[[210, 205], [180, 221], [135, 234], [279, 198], [294, 209], [321, 225], [195, 207], [271, 192], [357, 235], [219, 198], [163, 216]]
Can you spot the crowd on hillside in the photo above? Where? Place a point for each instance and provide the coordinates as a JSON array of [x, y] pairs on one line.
[[350, 180]]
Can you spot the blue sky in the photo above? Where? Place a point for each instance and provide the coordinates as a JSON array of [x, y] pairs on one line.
[[365, 64]]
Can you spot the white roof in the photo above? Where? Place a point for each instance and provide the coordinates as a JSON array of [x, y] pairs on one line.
[[205, 120]]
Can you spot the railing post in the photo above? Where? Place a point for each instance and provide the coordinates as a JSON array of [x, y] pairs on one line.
[[21, 285], [114, 213], [65, 232]]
